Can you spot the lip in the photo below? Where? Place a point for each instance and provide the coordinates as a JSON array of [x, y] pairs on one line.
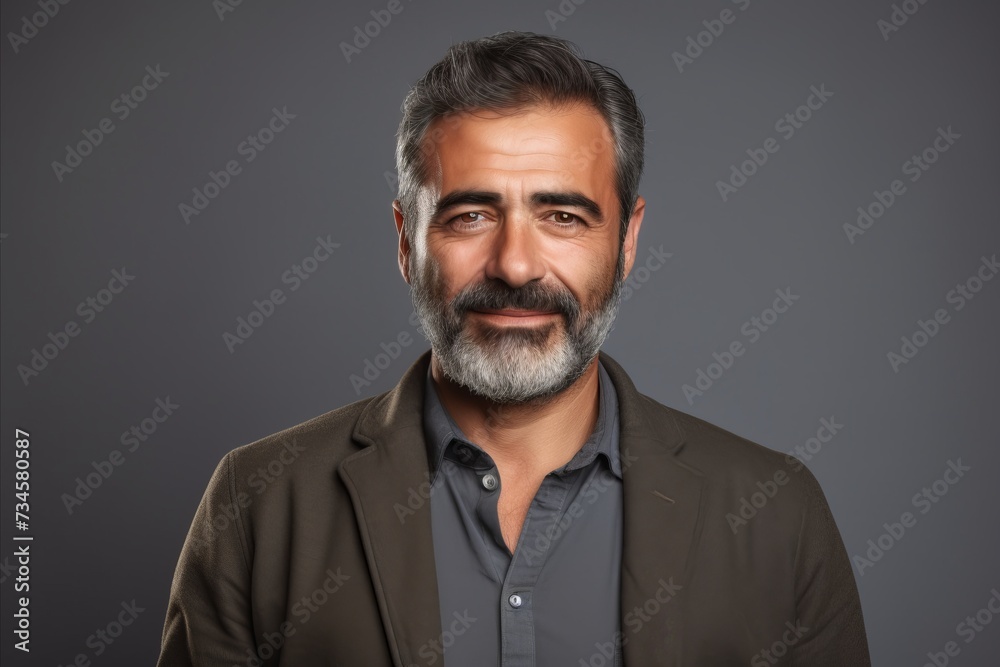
[[510, 317], [520, 314]]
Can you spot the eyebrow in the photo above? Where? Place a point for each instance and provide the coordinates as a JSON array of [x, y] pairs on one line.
[[483, 197], [461, 197], [572, 198]]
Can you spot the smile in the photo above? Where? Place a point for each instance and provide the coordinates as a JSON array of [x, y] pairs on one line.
[[513, 315]]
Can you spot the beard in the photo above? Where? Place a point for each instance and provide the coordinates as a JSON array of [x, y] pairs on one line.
[[510, 364]]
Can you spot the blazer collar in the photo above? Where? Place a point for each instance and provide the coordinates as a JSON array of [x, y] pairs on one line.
[[388, 482]]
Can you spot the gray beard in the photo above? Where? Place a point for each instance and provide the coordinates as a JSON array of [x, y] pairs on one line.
[[511, 365]]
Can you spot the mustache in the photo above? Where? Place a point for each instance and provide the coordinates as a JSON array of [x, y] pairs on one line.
[[497, 295]]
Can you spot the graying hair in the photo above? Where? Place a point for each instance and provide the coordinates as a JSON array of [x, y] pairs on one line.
[[509, 71]]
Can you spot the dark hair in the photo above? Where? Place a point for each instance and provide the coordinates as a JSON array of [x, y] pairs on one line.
[[509, 71]]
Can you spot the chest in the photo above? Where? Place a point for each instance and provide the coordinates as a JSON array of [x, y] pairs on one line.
[[512, 509], [531, 562]]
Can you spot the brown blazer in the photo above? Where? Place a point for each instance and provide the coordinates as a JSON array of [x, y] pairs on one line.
[[313, 546]]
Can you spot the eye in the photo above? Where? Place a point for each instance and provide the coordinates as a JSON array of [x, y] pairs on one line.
[[566, 219], [468, 218]]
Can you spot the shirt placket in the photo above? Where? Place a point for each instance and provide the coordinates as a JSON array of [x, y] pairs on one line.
[[517, 623]]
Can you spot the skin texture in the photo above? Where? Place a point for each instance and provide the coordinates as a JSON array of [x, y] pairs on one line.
[[558, 248]]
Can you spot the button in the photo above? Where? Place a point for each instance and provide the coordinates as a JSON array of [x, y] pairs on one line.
[[514, 600], [489, 481]]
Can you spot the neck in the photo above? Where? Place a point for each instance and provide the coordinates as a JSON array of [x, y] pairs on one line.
[[531, 439]]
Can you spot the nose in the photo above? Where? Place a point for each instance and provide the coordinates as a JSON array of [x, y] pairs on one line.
[[514, 256]]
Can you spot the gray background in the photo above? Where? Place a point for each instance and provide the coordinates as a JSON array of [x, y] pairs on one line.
[[326, 174]]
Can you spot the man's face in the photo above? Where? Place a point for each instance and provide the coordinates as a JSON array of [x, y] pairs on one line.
[[516, 269]]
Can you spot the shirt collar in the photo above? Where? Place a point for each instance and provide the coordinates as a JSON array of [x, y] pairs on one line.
[[445, 439]]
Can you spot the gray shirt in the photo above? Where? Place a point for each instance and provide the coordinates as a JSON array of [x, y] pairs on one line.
[[555, 600]]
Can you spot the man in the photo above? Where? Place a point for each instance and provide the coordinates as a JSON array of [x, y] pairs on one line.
[[514, 500]]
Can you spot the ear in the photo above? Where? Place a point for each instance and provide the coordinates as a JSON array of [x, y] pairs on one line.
[[404, 243], [632, 233]]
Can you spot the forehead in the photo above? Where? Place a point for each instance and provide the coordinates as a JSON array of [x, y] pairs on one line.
[[569, 143]]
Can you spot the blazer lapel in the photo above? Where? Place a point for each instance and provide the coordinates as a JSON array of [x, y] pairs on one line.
[[388, 483], [662, 523]]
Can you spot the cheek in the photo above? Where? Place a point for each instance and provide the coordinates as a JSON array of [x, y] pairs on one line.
[[457, 262], [445, 279], [588, 276], [601, 283]]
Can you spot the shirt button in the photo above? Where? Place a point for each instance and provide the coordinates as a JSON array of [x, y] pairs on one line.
[[515, 600], [489, 482]]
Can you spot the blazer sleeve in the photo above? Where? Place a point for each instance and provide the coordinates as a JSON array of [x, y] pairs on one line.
[[827, 600], [208, 621]]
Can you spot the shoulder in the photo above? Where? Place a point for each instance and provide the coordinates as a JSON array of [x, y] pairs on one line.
[[313, 447], [733, 462], [752, 492]]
